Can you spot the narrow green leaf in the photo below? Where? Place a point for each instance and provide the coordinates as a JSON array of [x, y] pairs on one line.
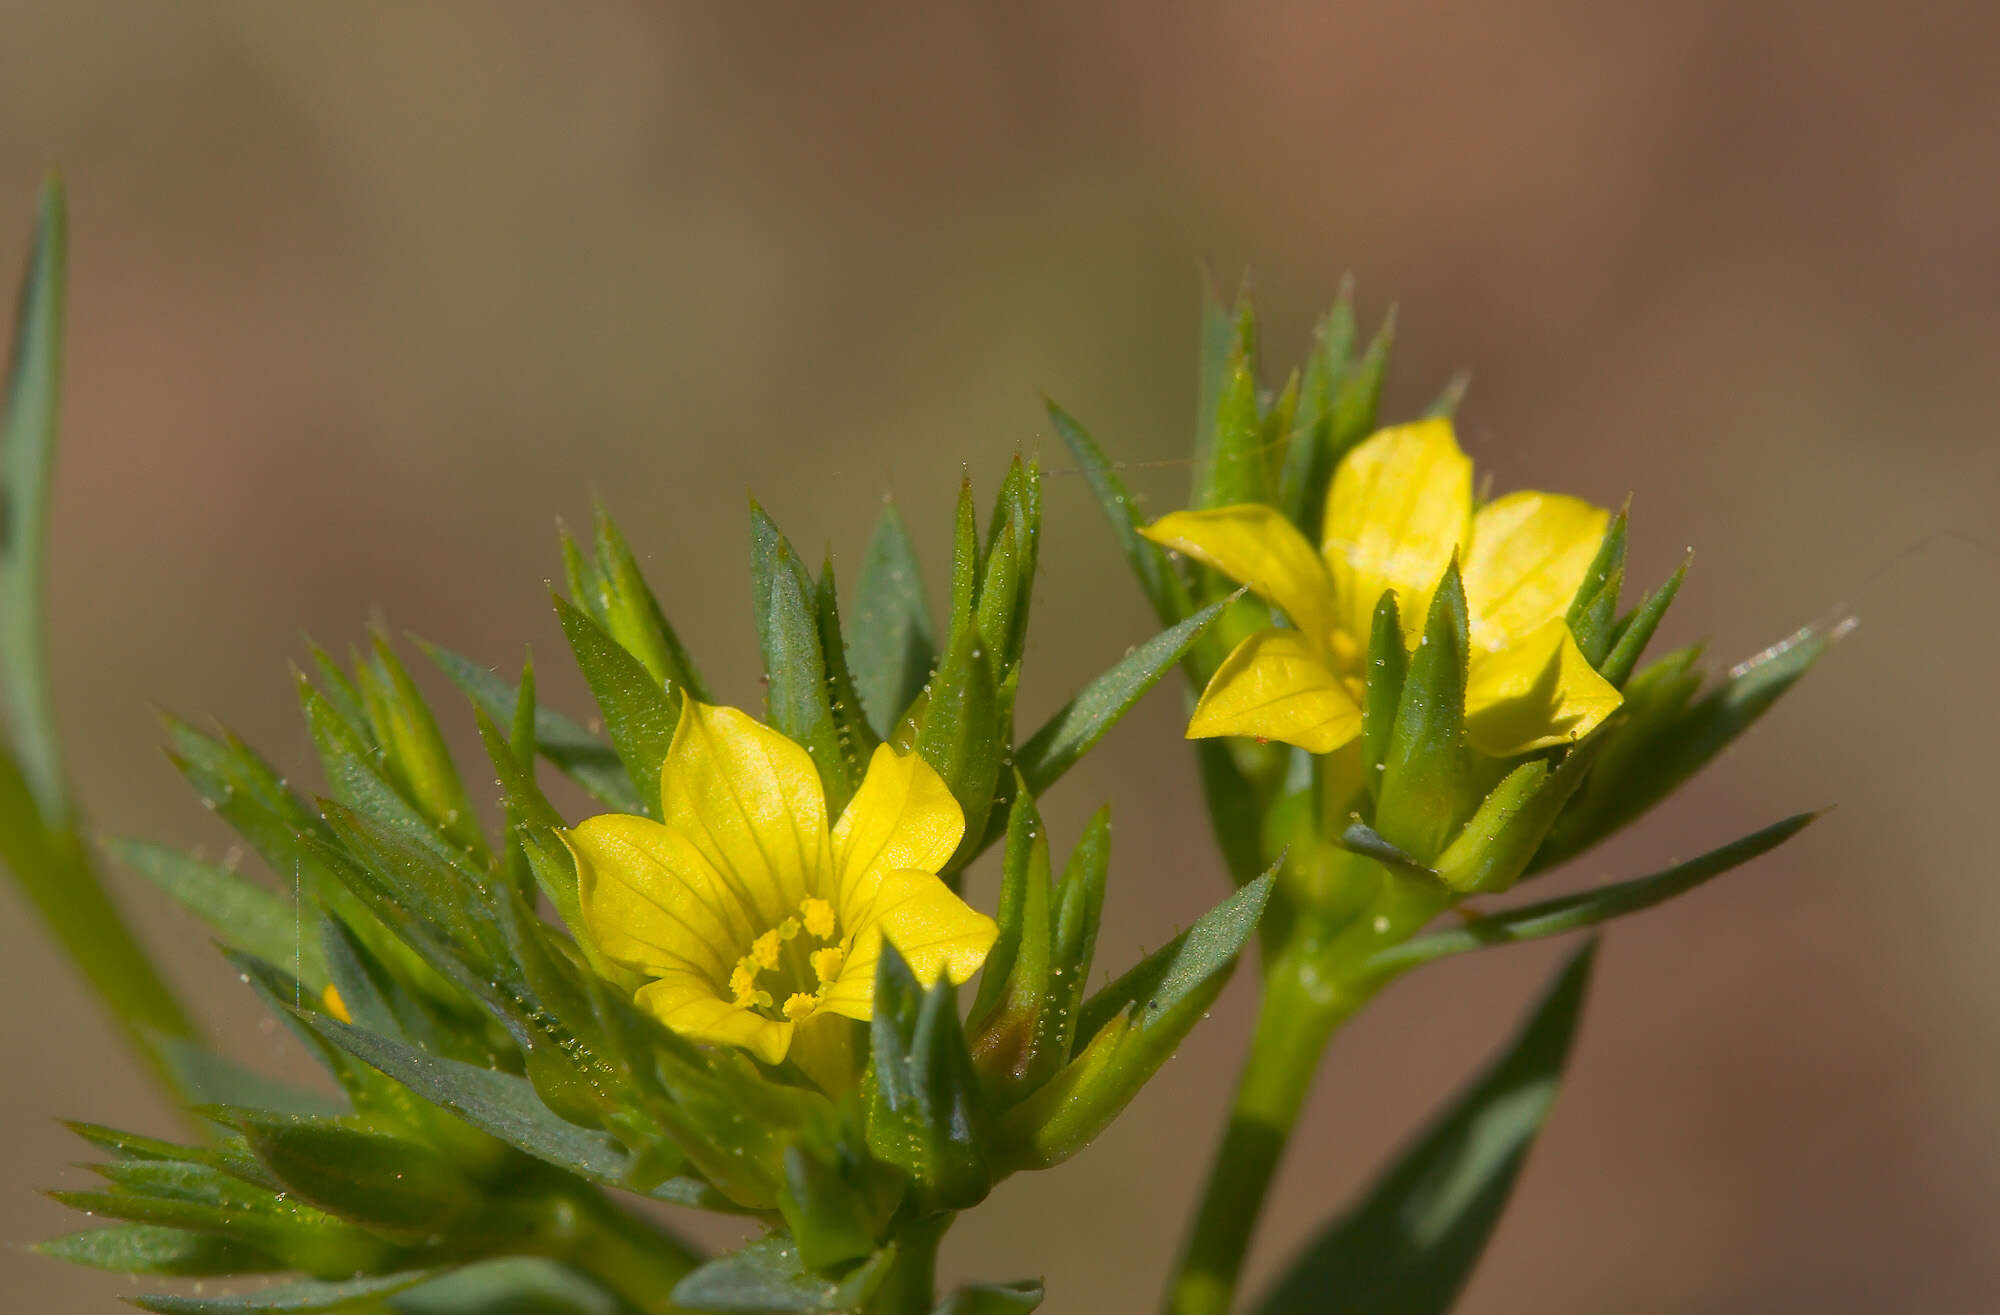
[[510, 1285], [1017, 1298], [27, 456], [578, 754], [1127, 1030], [501, 1104], [1163, 587], [1238, 469], [960, 732], [211, 1079], [306, 1294], [892, 645], [156, 1250], [390, 1185], [638, 713], [1388, 667], [1228, 365], [857, 739], [1410, 1245], [1083, 721], [1587, 909], [1309, 457], [241, 912], [631, 613]]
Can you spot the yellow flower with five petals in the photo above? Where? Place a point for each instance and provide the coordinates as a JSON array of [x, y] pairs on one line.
[[1399, 511], [753, 919]]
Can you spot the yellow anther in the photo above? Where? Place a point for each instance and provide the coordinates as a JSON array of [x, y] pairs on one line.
[[826, 963], [743, 982], [334, 1004], [766, 949], [799, 1006], [819, 918]]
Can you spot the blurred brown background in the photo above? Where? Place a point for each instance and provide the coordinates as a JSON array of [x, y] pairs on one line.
[[366, 295]]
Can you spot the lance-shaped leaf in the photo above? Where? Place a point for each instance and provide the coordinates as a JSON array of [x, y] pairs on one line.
[[959, 732], [1593, 611], [1013, 986], [160, 1251], [769, 1277], [1411, 1243], [1017, 519], [638, 713], [1128, 1030], [1664, 738], [1424, 776], [1388, 668], [574, 751], [1163, 586], [798, 700], [412, 751], [241, 912], [1065, 737], [1586, 909], [391, 1185], [1635, 631], [294, 1298], [508, 1285], [923, 1105], [1226, 389], [1497, 844], [892, 647], [615, 593], [850, 722], [1309, 455]]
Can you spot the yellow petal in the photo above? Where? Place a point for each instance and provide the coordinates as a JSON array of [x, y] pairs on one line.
[[687, 1004], [1276, 686], [902, 816], [750, 800], [935, 931], [1400, 503], [1529, 554], [651, 901], [1255, 545], [1534, 694]]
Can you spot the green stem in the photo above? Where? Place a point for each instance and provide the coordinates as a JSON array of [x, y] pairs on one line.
[[637, 1261], [1299, 1014], [911, 1288]]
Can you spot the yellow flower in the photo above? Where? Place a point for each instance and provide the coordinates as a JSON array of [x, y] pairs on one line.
[[1400, 508], [753, 919]]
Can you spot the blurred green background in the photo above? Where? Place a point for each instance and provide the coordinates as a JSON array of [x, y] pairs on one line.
[[365, 296]]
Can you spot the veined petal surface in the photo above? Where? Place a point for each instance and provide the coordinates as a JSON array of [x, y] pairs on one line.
[[1538, 692], [1255, 545], [1529, 554], [1277, 686], [750, 800], [936, 932], [1400, 505], [902, 816], [650, 899], [687, 1003]]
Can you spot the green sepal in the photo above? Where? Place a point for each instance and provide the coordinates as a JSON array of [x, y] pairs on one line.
[[1635, 631], [574, 751], [1017, 517], [835, 1201], [1445, 405], [893, 646], [770, 1277], [798, 697], [159, 1251], [1357, 402], [1388, 669], [1163, 586], [1501, 838], [1585, 909], [1593, 610], [1665, 735], [1014, 985], [355, 772], [1409, 1245], [924, 1112], [639, 714], [959, 732], [1236, 469], [1127, 1030], [1309, 456], [858, 739], [1425, 774]]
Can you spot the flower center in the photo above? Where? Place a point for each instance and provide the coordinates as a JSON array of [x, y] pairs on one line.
[[788, 969]]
